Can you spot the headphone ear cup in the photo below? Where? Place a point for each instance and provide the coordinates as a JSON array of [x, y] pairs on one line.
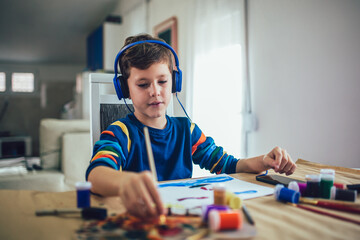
[[177, 80], [124, 87], [118, 88], [174, 77]]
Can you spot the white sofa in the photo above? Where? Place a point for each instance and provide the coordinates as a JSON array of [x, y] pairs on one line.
[[65, 151]]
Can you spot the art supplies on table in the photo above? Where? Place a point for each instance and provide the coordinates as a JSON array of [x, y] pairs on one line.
[[320, 185], [343, 194], [219, 191], [180, 195], [327, 181], [325, 213], [335, 205], [285, 194], [225, 220], [83, 194], [86, 213], [124, 226], [292, 197], [248, 215], [312, 185]]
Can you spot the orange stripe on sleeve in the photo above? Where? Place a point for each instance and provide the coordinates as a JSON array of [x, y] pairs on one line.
[[212, 169], [200, 141], [108, 132], [104, 156]]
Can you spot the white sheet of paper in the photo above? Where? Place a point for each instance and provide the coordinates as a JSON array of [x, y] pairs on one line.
[[180, 195]]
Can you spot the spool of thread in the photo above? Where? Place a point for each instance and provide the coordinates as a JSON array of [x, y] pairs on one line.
[[343, 194], [83, 194], [232, 200], [287, 195], [207, 208], [302, 188], [225, 220], [327, 181], [312, 185], [219, 194]]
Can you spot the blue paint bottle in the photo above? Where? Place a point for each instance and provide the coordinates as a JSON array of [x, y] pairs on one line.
[[83, 194], [284, 194]]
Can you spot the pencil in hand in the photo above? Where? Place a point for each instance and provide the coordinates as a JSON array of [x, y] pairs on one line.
[[150, 154]]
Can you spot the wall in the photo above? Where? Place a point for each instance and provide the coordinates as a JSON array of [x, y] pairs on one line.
[[304, 71], [24, 113]]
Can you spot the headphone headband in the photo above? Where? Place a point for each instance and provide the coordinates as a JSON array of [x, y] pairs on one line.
[[177, 75]]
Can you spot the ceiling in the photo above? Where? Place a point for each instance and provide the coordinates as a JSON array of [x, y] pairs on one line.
[[49, 31]]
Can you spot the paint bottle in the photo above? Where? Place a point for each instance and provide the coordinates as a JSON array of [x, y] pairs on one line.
[[327, 181], [302, 188], [293, 185], [225, 220], [340, 185], [83, 194], [312, 186], [286, 195], [343, 194], [219, 194], [207, 208]]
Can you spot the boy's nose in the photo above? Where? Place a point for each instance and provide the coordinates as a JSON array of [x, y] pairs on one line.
[[155, 90]]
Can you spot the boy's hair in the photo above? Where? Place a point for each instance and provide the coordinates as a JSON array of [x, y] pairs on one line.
[[142, 56]]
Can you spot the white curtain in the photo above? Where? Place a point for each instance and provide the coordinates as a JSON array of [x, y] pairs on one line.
[[218, 73]]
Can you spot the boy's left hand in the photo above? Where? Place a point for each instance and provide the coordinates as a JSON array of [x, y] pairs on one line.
[[279, 160]]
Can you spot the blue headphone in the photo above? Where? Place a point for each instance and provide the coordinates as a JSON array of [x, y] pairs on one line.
[[121, 87]]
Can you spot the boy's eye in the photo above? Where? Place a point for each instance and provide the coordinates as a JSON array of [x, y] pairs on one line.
[[162, 81], [144, 85]]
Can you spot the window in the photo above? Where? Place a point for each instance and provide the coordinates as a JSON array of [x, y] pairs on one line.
[[218, 92], [2, 82], [218, 97], [22, 82]]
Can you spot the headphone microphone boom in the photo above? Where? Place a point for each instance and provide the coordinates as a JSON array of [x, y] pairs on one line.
[[121, 87]]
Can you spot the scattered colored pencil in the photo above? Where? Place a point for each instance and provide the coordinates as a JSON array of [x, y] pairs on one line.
[[339, 206], [247, 215], [326, 213]]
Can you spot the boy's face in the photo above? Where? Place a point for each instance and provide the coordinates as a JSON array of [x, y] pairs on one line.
[[150, 91]]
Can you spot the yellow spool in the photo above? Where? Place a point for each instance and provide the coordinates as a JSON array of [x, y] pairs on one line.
[[233, 201]]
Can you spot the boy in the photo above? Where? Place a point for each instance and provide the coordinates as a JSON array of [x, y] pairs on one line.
[[120, 159]]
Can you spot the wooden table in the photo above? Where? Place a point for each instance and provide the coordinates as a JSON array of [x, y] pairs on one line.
[[274, 220]]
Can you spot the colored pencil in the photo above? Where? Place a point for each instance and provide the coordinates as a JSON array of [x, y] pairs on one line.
[[326, 213], [339, 206], [150, 153], [247, 215]]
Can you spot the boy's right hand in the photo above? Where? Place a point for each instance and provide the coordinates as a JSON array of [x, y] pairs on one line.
[[139, 195]]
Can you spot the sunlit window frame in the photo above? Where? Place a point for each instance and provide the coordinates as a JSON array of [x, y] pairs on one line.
[[8, 81], [22, 88], [3, 73]]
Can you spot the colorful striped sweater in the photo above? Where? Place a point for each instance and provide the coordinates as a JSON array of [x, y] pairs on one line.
[[122, 147]]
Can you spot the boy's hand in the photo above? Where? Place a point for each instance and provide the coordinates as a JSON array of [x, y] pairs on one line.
[[280, 161], [139, 195]]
